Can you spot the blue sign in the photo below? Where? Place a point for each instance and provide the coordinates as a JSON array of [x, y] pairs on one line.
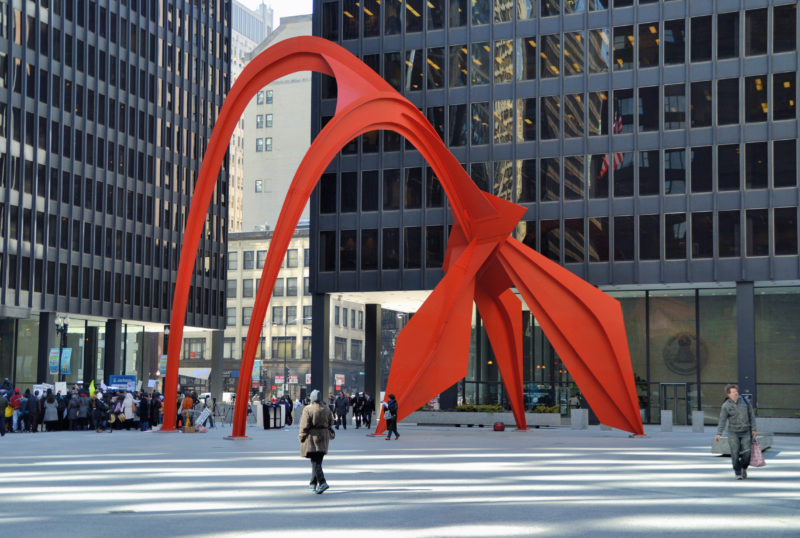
[[125, 382], [66, 361]]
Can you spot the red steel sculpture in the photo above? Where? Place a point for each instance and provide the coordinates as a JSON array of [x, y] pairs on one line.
[[482, 261]]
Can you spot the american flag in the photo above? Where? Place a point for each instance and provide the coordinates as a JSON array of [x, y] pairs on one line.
[[617, 156]]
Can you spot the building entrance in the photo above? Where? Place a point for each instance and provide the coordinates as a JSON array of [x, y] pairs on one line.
[[674, 398]]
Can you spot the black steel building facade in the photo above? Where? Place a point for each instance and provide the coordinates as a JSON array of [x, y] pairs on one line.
[[105, 110], [653, 143]]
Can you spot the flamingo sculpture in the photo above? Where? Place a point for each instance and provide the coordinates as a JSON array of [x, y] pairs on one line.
[[482, 261]]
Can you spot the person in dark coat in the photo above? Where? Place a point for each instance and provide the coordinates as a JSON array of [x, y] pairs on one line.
[[155, 409], [315, 433], [390, 414], [73, 407], [143, 410], [368, 409], [342, 405]]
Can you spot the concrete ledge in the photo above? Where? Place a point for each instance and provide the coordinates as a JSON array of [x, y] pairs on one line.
[[580, 419], [722, 448], [666, 420], [698, 421], [458, 418], [779, 425]]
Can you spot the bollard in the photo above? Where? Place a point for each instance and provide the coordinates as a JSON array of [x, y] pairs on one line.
[[698, 421], [579, 419], [666, 420]]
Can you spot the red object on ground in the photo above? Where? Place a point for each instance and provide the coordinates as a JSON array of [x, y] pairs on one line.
[[482, 261], [499, 427]]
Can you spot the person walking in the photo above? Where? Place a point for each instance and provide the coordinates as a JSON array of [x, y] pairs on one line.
[[369, 408], [315, 433], [14, 402], [342, 405], [737, 414], [390, 414], [3, 404]]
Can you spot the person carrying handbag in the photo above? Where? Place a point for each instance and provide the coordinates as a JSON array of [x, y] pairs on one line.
[[390, 414], [316, 431], [737, 414]]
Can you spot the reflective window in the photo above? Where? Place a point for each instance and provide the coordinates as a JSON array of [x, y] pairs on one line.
[[574, 6], [573, 239], [756, 170], [391, 189], [526, 119], [550, 7], [526, 186], [598, 176], [649, 237], [503, 185], [675, 236], [783, 96], [412, 198], [348, 202], [503, 10], [597, 51], [436, 117], [701, 104], [327, 193], [728, 101], [481, 63], [573, 178], [701, 169], [598, 113], [550, 239], [674, 106], [550, 117], [434, 247], [327, 251], [481, 12], [784, 28], [435, 14], [674, 171], [413, 15], [785, 230], [551, 54], [435, 68], [648, 108], [526, 58], [550, 176], [330, 22], [393, 13], [480, 123], [623, 47], [703, 235], [392, 72], [728, 167], [369, 190], [623, 238], [674, 42], [458, 66], [503, 61], [350, 9], [649, 172], [622, 164], [784, 159], [757, 226], [459, 125], [369, 250], [526, 9], [412, 247], [503, 121], [648, 44], [728, 35], [573, 52], [457, 13], [414, 72], [481, 174], [573, 115], [372, 18], [623, 111], [390, 249], [755, 32], [434, 194], [701, 38], [755, 99], [598, 239], [598, 5]]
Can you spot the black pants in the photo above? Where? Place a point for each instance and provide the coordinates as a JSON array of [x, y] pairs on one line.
[[391, 426], [342, 419], [317, 476], [367, 417]]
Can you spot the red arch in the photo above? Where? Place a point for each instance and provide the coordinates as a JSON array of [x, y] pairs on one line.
[[431, 349]]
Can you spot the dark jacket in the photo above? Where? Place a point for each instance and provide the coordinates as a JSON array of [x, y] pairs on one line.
[[392, 408], [342, 405], [737, 416], [143, 409]]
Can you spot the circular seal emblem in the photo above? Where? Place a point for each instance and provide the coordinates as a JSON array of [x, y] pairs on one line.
[[679, 354]]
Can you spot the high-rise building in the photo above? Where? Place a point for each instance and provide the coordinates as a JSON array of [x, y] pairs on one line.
[[105, 111], [653, 144]]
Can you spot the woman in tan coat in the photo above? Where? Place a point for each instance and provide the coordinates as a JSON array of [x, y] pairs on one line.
[[316, 429]]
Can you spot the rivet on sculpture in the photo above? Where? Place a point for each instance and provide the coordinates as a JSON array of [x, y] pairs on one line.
[[482, 261]]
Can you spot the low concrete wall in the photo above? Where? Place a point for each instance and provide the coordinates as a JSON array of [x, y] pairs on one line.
[[778, 425], [453, 418]]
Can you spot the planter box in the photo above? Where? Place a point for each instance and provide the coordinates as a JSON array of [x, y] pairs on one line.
[[457, 418]]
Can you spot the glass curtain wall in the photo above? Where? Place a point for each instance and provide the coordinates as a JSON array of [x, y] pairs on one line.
[[777, 314]]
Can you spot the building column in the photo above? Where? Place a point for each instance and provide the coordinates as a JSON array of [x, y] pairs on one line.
[[320, 343], [217, 366], [90, 356], [746, 338], [372, 350], [113, 352], [47, 340]]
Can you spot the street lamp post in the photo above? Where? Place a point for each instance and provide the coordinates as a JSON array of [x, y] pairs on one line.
[[286, 352], [62, 325]]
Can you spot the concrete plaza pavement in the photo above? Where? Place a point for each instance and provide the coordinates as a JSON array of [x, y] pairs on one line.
[[432, 482]]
